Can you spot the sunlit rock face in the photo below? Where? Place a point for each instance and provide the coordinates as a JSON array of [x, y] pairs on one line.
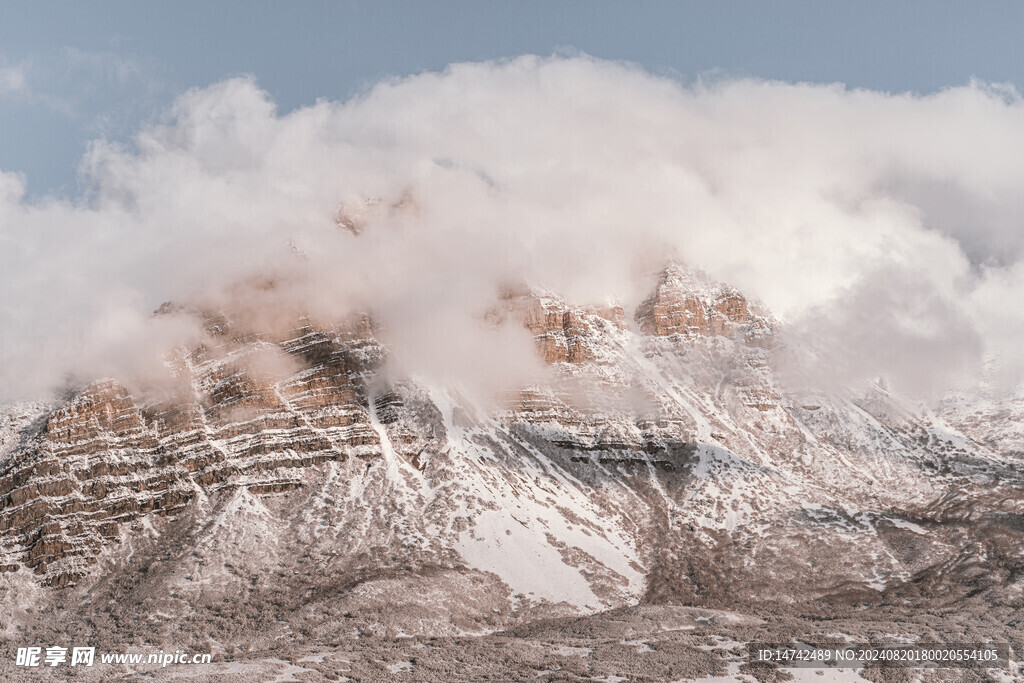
[[105, 458], [660, 460], [688, 303]]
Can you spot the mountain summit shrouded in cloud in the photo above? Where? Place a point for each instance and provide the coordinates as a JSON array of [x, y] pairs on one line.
[[853, 215], [527, 369]]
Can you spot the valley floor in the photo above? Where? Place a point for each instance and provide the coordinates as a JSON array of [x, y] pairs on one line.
[[643, 643]]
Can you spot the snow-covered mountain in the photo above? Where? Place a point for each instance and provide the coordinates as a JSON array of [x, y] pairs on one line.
[[289, 488]]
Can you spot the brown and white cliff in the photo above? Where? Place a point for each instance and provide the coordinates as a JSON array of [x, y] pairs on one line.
[[662, 463]]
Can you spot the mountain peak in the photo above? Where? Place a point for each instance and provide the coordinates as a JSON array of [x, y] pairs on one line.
[[689, 303]]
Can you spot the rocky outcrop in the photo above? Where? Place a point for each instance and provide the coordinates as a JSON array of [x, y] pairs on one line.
[[564, 333], [687, 303], [107, 458], [561, 333]]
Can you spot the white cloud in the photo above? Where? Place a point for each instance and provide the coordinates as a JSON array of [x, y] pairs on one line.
[[886, 223], [103, 91], [12, 78]]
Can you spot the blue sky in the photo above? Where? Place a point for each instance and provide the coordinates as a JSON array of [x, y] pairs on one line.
[[71, 72]]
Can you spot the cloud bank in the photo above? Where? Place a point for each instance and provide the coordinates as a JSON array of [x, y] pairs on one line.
[[886, 226]]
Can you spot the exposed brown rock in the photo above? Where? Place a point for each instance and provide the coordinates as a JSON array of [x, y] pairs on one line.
[[561, 331], [688, 304], [106, 458]]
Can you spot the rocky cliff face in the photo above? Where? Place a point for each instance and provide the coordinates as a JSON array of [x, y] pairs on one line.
[[662, 462], [686, 303], [104, 459]]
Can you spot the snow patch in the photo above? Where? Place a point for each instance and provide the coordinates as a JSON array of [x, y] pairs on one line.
[[526, 563]]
